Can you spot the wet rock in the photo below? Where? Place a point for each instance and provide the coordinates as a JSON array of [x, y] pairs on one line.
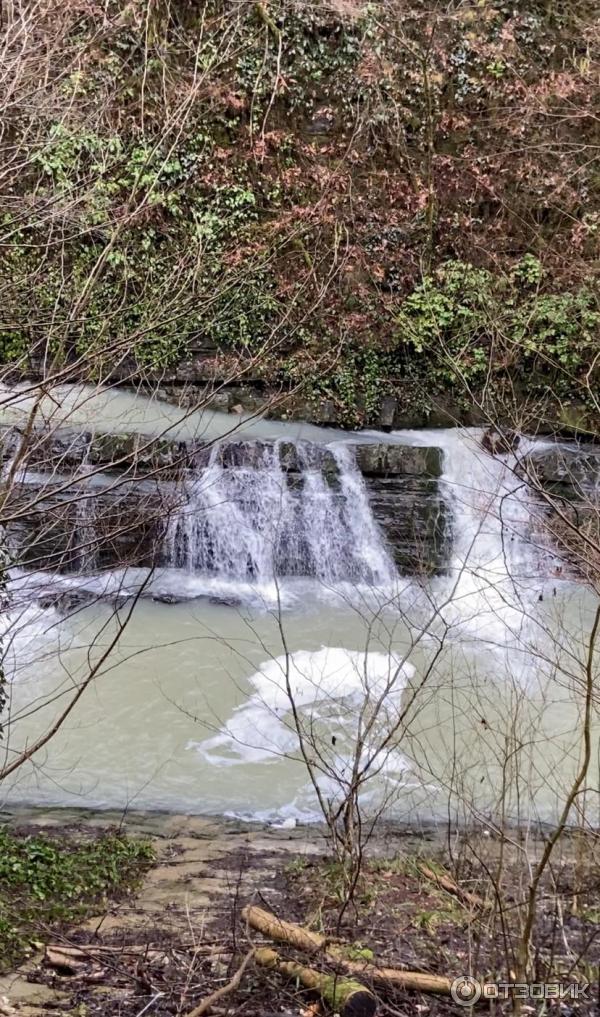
[[167, 598], [573, 466], [188, 396], [288, 456], [378, 460], [387, 413], [60, 452], [66, 601], [137, 452], [499, 441], [219, 402], [249, 455], [413, 516], [225, 600], [47, 450], [307, 455], [324, 412], [123, 525]]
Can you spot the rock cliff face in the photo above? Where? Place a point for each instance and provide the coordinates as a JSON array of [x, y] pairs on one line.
[[567, 470], [339, 202], [569, 475], [97, 501]]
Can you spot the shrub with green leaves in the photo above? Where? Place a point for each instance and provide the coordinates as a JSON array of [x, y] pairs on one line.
[[466, 321], [46, 882]]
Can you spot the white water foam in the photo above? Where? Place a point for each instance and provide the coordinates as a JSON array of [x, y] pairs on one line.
[[331, 685], [497, 566], [26, 636]]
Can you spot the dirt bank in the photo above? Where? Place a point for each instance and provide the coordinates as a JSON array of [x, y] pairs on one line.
[[429, 901]]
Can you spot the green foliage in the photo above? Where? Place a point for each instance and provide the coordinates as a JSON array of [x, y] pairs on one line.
[[563, 327], [529, 270], [44, 881], [466, 321], [63, 152], [167, 182], [13, 346], [244, 315], [358, 952], [224, 214], [318, 53], [355, 383]]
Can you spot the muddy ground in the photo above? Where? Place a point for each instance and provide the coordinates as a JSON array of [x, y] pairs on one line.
[[182, 936]]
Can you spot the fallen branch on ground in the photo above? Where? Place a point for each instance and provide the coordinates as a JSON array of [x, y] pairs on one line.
[[76, 959], [85, 950], [445, 882], [345, 996], [206, 1005], [314, 942]]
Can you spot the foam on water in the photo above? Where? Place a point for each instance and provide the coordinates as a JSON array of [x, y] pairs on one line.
[[181, 586], [497, 565], [330, 685], [26, 636]]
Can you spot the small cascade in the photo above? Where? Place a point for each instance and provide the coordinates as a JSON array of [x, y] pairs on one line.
[[494, 514], [85, 533], [496, 564], [261, 520]]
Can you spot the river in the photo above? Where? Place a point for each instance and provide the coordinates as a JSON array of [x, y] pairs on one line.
[[481, 667]]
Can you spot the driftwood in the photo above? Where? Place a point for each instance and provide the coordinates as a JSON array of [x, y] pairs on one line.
[[445, 882], [345, 996], [314, 942], [56, 957], [85, 950], [78, 958]]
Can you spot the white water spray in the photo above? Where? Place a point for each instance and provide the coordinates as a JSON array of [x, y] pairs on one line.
[[257, 522]]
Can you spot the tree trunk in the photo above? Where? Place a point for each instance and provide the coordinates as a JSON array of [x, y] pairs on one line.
[[344, 995], [313, 942]]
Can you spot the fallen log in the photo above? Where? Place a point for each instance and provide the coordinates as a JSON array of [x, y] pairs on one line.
[[82, 949], [55, 957], [284, 932], [313, 942], [345, 996], [75, 958], [445, 882]]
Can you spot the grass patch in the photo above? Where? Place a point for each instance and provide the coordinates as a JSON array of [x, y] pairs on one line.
[[46, 883]]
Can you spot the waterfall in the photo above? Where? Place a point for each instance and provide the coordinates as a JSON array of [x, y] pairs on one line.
[[85, 548], [497, 564], [494, 514], [260, 521]]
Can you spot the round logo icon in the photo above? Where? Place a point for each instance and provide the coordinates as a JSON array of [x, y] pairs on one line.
[[465, 990]]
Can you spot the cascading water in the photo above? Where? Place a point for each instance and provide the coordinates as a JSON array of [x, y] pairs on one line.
[[496, 559], [495, 516], [258, 522], [197, 688], [86, 539]]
